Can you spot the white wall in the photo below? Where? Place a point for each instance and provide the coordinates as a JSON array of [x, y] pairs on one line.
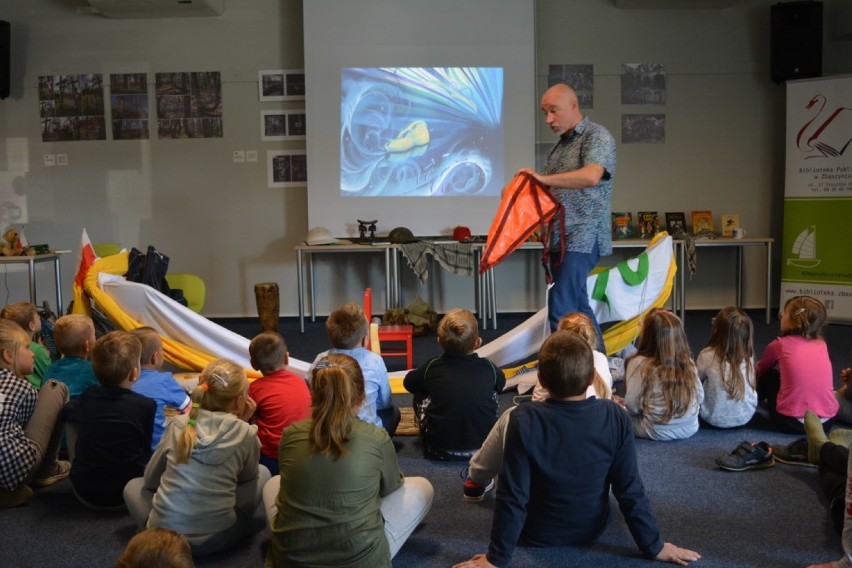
[[723, 150]]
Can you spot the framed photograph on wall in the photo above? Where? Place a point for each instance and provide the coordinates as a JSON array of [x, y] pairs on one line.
[[287, 168], [281, 85], [282, 124]]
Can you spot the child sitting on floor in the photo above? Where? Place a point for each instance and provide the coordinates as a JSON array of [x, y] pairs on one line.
[[579, 323], [158, 385], [662, 392], [30, 429], [484, 466], [563, 458], [204, 481], [347, 327], [75, 338], [110, 427], [726, 369], [455, 394], [281, 396], [794, 374], [25, 314]]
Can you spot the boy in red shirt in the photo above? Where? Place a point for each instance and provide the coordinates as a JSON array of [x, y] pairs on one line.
[[282, 397]]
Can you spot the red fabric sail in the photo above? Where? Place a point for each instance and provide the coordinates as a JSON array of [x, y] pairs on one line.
[[527, 206]]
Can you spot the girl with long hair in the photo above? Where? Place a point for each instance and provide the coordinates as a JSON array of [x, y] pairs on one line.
[[341, 499], [663, 393], [726, 369]]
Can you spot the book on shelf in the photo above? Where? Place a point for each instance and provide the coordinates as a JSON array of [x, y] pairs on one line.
[[702, 222], [649, 224], [730, 221], [675, 222], [622, 225]]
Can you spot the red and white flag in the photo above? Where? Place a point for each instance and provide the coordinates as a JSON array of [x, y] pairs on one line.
[[22, 243], [86, 258]]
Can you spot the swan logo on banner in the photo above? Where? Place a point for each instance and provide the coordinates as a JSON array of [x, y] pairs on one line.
[[827, 133]]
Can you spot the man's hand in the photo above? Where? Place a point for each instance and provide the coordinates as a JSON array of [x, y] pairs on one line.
[[533, 173], [826, 565], [478, 560], [677, 555]]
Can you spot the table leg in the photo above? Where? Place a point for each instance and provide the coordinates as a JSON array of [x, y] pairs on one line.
[[768, 280], [56, 275], [388, 284], [300, 279], [739, 277], [492, 294], [31, 265], [682, 283], [313, 294]]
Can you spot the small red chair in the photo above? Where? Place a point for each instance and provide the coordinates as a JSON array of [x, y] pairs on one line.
[[397, 334]]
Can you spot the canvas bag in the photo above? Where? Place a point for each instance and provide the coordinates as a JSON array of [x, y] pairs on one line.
[[527, 206]]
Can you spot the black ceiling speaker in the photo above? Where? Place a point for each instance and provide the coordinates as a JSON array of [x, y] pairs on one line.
[[796, 40], [5, 58]]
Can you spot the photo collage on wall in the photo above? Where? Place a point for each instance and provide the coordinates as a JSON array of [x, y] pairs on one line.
[[643, 84], [129, 106], [285, 168], [71, 107], [189, 105]]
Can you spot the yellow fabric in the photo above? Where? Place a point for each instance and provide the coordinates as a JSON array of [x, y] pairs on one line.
[[176, 352]]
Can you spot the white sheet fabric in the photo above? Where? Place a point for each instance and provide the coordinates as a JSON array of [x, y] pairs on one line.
[[149, 307]]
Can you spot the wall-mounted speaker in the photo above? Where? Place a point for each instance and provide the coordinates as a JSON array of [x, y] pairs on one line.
[[796, 40], [5, 58]]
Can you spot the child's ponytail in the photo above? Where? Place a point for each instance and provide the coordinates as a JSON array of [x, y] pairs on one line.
[[337, 388], [219, 385]]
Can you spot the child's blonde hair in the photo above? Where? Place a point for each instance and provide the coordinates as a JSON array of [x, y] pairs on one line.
[[12, 337], [669, 367], [267, 352], [220, 384], [347, 326], [732, 341], [337, 387], [22, 313], [114, 357], [157, 546], [150, 339], [580, 324], [458, 332], [806, 317], [71, 333]]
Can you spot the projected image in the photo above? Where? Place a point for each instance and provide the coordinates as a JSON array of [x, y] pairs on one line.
[[421, 131]]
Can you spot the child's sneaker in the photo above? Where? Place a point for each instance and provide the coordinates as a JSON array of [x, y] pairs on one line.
[[747, 456], [794, 453], [60, 472], [475, 492]]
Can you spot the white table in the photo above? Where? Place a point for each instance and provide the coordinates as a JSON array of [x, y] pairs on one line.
[[308, 251], [739, 245], [31, 261]]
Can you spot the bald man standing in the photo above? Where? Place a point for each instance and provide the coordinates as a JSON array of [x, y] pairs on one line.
[[579, 172]]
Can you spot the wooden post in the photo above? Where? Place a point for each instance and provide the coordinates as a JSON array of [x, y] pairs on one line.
[[266, 297]]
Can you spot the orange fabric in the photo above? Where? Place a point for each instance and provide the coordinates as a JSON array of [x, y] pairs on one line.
[[526, 206]]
